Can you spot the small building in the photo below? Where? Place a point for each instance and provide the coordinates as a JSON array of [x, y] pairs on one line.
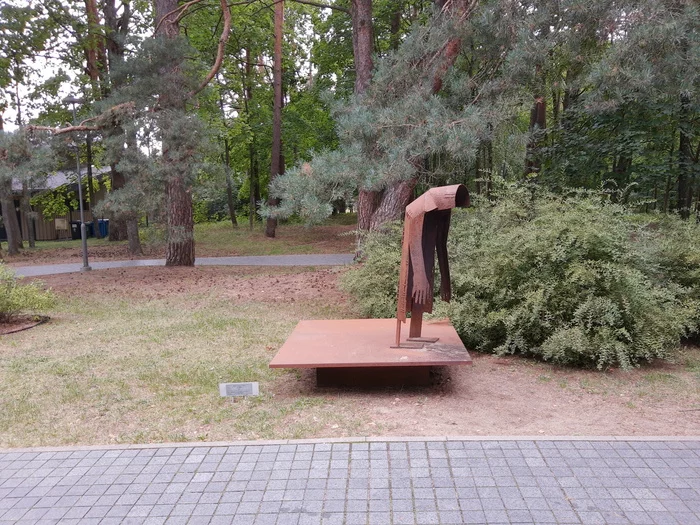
[[59, 227]]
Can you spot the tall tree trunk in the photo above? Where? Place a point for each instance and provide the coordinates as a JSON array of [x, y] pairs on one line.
[[94, 49], [14, 223], [132, 233], [478, 170], [276, 164], [179, 250], [253, 183], [367, 205], [2, 154], [361, 14], [538, 124], [117, 223], [229, 185], [178, 196], [116, 30], [393, 203], [252, 158], [684, 198], [27, 211], [9, 213], [570, 95], [91, 189], [395, 24], [9, 218], [489, 173], [621, 169]]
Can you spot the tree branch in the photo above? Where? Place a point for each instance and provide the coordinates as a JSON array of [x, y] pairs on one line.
[[60, 131], [180, 11], [220, 50], [109, 118], [323, 6]]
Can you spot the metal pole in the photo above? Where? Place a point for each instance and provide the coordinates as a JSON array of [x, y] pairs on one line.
[[83, 232]]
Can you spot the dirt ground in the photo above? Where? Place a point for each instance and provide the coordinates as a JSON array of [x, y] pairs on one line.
[[116, 252], [494, 396]]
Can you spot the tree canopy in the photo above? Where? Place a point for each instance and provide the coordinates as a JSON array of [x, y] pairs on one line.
[[597, 94]]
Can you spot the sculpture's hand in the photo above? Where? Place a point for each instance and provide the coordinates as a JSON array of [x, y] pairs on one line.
[[446, 293], [421, 293]]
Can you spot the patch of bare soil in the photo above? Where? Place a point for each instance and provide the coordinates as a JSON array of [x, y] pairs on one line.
[[237, 283], [111, 252], [517, 397], [494, 396]]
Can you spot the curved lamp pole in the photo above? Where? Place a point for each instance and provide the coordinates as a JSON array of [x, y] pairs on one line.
[[83, 233]]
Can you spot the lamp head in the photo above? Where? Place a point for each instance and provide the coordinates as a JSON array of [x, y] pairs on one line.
[[73, 100]]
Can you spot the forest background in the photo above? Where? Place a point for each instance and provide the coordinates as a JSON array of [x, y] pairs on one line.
[[198, 106]]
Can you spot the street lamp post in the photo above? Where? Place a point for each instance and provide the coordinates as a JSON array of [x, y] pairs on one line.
[[83, 233]]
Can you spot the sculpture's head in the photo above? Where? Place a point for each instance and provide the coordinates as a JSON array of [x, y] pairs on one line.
[[448, 197], [462, 197]]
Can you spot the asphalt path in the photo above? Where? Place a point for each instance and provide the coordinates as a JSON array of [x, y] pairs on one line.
[[256, 260]]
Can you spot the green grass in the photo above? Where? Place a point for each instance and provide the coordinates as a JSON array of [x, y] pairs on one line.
[[221, 239], [106, 370], [69, 244], [290, 238]]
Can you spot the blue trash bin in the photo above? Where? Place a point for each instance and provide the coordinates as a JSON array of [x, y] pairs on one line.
[[104, 227]]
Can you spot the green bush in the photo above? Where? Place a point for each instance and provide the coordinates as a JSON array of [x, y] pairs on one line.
[[17, 299], [571, 279]]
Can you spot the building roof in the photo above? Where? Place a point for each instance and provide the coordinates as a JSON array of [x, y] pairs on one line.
[[61, 178]]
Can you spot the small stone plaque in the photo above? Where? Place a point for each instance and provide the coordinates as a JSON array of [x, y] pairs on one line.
[[238, 389]]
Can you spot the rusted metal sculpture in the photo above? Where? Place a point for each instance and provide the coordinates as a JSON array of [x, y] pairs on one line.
[[425, 232], [360, 352]]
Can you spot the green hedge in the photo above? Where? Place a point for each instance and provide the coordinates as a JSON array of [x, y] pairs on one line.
[[16, 298], [572, 279]]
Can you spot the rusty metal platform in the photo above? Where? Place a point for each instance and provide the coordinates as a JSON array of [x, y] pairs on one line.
[[367, 343]]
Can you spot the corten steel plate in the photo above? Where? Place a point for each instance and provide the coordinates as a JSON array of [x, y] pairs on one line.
[[362, 343]]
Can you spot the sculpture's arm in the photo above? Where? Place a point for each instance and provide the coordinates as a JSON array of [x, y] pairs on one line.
[[421, 285], [441, 248]]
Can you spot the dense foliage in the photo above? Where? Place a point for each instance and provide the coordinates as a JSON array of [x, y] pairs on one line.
[[579, 93], [574, 279], [17, 298]]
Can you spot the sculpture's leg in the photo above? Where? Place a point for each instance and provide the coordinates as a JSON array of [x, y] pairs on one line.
[[416, 327], [416, 322]]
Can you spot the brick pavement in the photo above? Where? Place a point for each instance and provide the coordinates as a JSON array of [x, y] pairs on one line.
[[358, 482]]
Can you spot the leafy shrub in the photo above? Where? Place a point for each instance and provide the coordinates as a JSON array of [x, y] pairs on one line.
[[16, 298], [571, 279]]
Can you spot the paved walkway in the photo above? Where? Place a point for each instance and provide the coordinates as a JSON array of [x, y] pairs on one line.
[[608, 481], [261, 260]]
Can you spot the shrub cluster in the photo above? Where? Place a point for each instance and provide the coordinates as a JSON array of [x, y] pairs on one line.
[[16, 298], [572, 279]]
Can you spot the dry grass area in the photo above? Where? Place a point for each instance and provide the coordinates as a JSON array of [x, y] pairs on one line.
[[136, 355], [211, 240]]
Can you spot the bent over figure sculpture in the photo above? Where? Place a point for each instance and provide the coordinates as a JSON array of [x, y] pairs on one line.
[[425, 231]]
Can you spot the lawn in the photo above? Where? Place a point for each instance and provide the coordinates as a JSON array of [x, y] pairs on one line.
[[211, 240], [136, 355]]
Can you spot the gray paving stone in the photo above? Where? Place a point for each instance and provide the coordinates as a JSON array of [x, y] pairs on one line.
[[378, 482]]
